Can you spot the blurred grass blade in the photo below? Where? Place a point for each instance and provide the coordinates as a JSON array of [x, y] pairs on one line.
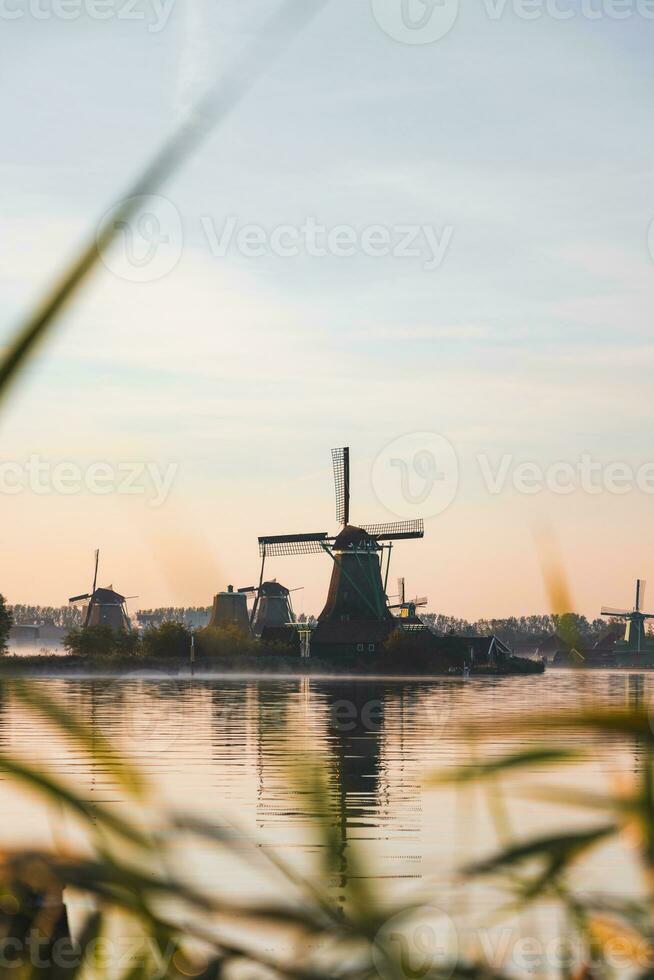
[[58, 793], [557, 850], [71, 726], [88, 937], [219, 101], [493, 767], [229, 837]]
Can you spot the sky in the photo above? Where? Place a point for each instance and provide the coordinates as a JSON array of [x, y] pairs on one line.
[[430, 242]]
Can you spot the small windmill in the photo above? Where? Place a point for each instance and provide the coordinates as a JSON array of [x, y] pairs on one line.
[[230, 611], [407, 607], [272, 605], [634, 635], [356, 613], [105, 607]]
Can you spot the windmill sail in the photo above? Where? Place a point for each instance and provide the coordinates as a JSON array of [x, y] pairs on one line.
[[396, 531], [292, 544], [341, 464]]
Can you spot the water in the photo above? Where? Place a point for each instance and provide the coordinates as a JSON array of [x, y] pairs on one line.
[[232, 747]]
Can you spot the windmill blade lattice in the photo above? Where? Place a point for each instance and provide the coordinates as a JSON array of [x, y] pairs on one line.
[[341, 464], [292, 544], [397, 531], [610, 611]]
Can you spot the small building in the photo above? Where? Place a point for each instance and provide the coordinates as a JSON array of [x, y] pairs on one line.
[[484, 651], [44, 634]]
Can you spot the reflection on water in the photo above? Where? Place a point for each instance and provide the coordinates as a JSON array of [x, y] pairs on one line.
[[232, 747]]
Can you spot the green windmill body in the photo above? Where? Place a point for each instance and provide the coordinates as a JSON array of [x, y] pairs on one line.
[[635, 639], [356, 617]]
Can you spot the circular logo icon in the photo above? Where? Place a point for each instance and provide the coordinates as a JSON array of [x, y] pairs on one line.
[[650, 238], [151, 708], [416, 21], [415, 945], [145, 246], [416, 475]]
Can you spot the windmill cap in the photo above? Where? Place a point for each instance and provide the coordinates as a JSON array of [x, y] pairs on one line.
[[270, 589], [107, 596], [352, 537]]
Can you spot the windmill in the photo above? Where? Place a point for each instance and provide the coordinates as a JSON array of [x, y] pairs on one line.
[[104, 606], [356, 616], [634, 634], [272, 607], [230, 610], [407, 607]]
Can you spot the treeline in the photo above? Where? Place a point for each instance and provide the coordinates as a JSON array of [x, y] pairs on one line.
[[521, 629], [514, 629], [189, 615], [65, 616]]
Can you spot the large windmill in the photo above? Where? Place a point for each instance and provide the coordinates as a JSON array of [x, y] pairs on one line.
[[104, 606], [356, 617], [634, 634]]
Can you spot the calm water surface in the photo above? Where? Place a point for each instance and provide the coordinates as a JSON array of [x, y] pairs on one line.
[[231, 748]]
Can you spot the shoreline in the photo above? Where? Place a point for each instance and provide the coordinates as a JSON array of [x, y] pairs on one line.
[[71, 666]]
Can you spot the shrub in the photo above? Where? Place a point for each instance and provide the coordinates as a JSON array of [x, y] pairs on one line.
[[170, 640], [101, 641], [226, 641]]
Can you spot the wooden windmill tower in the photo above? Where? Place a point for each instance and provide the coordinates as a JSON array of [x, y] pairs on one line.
[[272, 607], [634, 635], [230, 611], [105, 607], [356, 617]]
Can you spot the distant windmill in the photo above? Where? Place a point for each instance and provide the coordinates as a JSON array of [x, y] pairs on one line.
[[230, 611], [356, 615], [105, 607], [635, 628], [407, 607], [272, 607]]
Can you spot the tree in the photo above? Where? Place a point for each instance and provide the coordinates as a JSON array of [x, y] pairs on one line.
[[6, 622]]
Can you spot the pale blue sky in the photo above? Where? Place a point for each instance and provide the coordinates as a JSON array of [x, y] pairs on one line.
[[532, 141]]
